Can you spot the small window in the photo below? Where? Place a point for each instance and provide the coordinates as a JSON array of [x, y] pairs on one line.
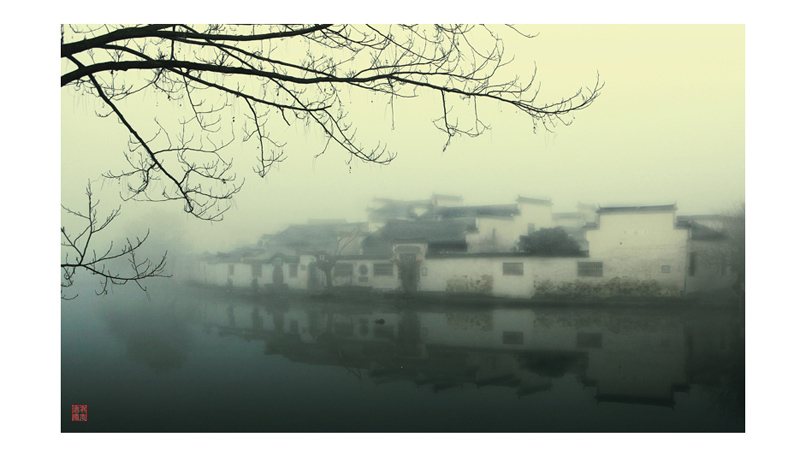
[[692, 263], [512, 269], [257, 269], [363, 270], [590, 340], [590, 269], [513, 337], [665, 269], [383, 269], [343, 269], [293, 270], [230, 269]]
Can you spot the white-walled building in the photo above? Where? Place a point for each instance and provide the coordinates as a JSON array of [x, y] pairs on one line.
[[642, 243], [629, 250]]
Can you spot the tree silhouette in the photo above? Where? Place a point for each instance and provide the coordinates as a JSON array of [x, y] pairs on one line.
[[213, 67], [78, 253], [549, 242], [279, 76]]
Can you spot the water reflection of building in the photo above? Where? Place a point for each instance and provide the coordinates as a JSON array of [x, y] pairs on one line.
[[627, 357]]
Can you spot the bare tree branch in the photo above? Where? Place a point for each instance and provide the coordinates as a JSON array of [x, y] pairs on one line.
[[284, 75], [78, 253]]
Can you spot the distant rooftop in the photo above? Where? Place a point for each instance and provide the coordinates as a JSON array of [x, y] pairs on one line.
[[455, 212], [327, 221], [420, 202], [395, 209], [540, 201], [567, 215], [637, 209], [316, 236], [700, 231], [451, 230]]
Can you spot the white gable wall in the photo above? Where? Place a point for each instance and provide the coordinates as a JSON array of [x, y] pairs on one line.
[[637, 245], [530, 213]]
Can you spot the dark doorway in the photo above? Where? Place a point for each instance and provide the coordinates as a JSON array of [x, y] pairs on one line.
[[277, 275]]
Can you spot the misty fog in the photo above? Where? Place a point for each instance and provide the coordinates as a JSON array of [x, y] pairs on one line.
[[582, 272], [656, 135]]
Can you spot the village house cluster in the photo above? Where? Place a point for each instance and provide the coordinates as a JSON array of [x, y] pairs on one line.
[[441, 245]]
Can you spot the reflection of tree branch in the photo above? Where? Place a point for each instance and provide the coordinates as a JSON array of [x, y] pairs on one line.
[[79, 254]]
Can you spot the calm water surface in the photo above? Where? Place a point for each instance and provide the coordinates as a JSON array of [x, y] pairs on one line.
[[187, 362]]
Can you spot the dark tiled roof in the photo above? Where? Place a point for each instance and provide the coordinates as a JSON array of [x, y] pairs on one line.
[[567, 215], [315, 236], [234, 256], [428, 231], [543, 202], [421, 202], [446, 197], [623, 209], [456, 212], [701, 232], [501, 254], [398, 209], [266, 259], [376, 245], [701, 217]]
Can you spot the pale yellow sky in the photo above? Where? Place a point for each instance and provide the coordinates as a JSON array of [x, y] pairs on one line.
[[668, 127]]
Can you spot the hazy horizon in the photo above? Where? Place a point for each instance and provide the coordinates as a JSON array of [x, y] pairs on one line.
[[667, 128]]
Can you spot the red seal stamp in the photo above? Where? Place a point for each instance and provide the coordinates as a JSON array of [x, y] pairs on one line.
[[79, 413]]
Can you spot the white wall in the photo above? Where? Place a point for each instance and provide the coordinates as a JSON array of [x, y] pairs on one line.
[[539, 214], [369, 279], [637, 245], [218, 274], [485, 275]]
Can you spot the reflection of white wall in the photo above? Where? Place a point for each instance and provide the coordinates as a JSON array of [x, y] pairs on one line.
[[639, 363]]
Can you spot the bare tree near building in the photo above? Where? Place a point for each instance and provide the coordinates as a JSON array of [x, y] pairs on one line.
[[112, 266], [219, 84], [327, 261]]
